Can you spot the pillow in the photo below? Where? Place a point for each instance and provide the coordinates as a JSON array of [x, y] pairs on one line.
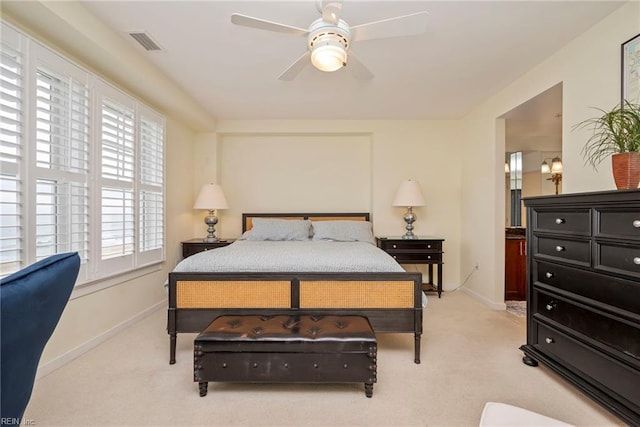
[[344, 231], [279, 229]]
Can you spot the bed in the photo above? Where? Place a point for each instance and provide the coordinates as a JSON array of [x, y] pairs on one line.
[[391, 298]]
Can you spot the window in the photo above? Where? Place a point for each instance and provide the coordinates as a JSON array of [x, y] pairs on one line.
[[82, 166]]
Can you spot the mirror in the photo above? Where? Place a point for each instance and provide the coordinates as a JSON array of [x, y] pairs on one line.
[[515, 189]]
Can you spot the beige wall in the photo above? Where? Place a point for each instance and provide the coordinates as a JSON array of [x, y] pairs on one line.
[[589, 69]]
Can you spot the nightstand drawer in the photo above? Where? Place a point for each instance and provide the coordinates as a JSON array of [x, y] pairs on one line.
[[415, 257], [410, 245], [573, 251], [194, 246]]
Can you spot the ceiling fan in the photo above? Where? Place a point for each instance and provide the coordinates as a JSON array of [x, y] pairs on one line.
[[329, 38]]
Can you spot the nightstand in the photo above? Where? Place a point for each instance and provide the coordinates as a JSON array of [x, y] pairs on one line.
[[193, 246], [423, 250]]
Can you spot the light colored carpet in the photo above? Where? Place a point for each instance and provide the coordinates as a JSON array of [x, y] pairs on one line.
[[469, 356]]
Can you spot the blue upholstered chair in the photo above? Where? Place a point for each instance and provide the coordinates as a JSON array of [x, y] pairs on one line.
[[31, 303]]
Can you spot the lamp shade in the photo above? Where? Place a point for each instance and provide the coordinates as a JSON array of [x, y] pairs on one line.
[[544, 168], [211, 197], [409, 194], [556, 165]]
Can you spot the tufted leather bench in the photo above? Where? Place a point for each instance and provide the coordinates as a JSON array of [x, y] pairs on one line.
[[303, 348]]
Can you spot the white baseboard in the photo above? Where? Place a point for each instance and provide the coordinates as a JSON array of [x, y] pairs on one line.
[[486, 301], [58, 362]]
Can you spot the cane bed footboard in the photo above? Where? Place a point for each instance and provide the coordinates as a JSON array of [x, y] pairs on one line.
[[391, 301]]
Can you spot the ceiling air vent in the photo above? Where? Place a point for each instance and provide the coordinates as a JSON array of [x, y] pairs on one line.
[[145, 41]]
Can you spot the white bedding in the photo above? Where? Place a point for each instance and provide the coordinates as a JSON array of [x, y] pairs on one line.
[[291, 256]]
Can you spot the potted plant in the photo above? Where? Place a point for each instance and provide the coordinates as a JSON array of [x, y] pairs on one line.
[[616, 133]]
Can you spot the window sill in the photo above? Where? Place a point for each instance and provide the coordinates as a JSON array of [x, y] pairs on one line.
[[107, 282]]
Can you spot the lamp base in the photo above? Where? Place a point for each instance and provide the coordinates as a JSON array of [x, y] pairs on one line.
[[211, 220], [409, 218]]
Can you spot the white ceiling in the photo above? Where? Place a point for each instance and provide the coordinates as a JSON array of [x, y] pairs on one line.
[[472, 49]]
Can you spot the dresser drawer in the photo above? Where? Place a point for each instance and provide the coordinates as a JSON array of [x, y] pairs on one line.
[[617, 292], [621, 336], [563, 221], [622, 259], [581, 359], [574, 251], [618, 223]]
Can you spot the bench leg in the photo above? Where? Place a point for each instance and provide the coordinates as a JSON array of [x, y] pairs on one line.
[[203, 389], [417, 349], [368, 389]]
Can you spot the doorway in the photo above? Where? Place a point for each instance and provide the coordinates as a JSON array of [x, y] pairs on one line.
[[533, 137]]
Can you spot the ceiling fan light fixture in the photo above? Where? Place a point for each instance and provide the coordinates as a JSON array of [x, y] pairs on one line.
[[329, 56]]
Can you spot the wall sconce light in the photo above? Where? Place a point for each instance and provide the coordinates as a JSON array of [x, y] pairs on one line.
[[506, 167], [410, 195], [211, 198], [555, 170]]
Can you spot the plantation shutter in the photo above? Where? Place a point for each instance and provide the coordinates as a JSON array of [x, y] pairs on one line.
[[117, 173], [151, 194], [62, 163], [11, 92]]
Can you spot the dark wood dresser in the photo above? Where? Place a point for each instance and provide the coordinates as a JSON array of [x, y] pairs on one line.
[[583, 294]]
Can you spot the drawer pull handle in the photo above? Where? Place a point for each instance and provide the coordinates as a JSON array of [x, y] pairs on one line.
[[548, 340], [560, 221], [551, 305], [636, 223], [429, 257], [559, 248], [429, 246], [394, 246], [636, 260], [549, 275]]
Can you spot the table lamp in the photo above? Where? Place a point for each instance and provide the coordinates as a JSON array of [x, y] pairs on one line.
[[211, 198], [409, 195]]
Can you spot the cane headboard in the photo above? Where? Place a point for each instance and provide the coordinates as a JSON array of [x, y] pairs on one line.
[[247, 218]]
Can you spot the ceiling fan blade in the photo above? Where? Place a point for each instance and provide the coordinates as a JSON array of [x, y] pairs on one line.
[[295, 68], [263, 24], [357, 68], [331, 11], [406, 25]]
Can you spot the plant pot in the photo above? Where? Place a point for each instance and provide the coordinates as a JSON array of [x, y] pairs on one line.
[[626, 170]]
